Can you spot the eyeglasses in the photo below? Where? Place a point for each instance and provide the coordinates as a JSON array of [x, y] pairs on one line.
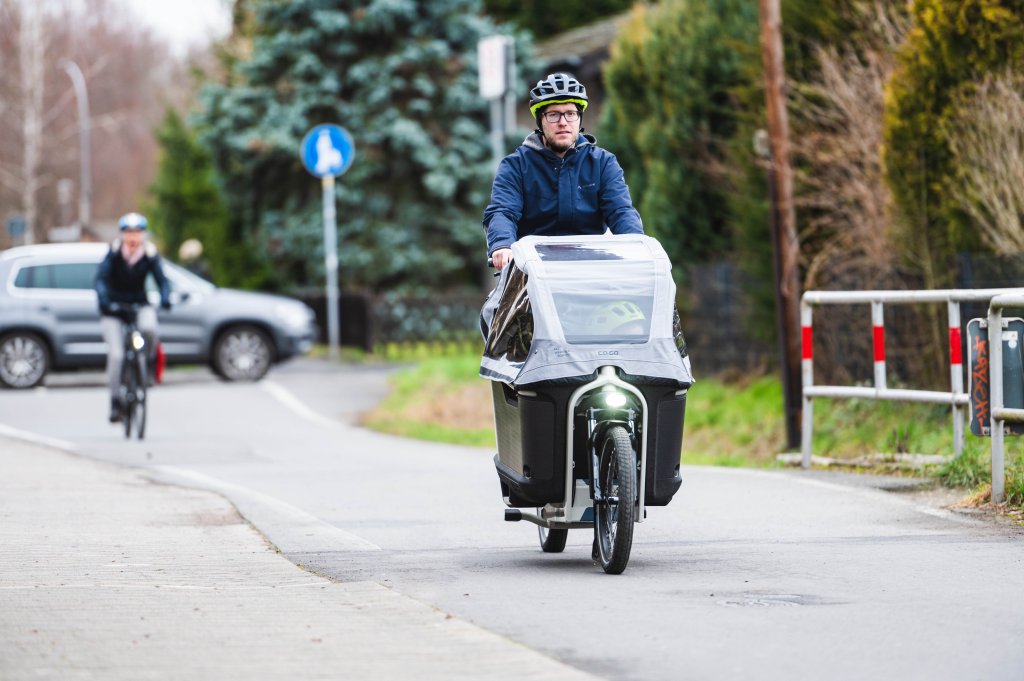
[[571, 116]]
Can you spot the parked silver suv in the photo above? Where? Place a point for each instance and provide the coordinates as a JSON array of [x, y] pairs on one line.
[[49, 319]]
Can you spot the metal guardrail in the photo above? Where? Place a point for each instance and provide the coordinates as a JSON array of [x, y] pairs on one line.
[[957, 398], [999, 413]]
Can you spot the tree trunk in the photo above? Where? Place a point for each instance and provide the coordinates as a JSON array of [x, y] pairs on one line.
[[32, 80]]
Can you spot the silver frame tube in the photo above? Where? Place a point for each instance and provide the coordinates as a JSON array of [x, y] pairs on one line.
[[606, 376], [999, 413]]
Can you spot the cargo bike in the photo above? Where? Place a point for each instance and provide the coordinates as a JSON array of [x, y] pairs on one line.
[[589, 375]]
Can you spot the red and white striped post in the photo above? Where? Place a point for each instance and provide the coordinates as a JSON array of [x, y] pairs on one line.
[[807, 376], [956, 374], [878, 342]]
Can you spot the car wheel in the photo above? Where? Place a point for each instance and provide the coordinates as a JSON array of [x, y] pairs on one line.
[[24, 360], [242, 353]]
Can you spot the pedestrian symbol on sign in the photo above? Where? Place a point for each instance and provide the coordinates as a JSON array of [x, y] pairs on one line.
[[327, 151], [327, 157]]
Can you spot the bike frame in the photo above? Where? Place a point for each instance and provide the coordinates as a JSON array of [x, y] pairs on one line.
[[129, 332], [577, 501], [606, 376], [134, 362]]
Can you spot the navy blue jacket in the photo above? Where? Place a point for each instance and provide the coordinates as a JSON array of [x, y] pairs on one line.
[[119, 282], [536, 192]]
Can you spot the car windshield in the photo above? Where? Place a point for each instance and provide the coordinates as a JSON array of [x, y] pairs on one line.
[[183, 280]]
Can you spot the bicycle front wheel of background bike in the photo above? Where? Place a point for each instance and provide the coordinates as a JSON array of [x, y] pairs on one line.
[[139, 405], [127, 397], [552, 540], [614, 521]]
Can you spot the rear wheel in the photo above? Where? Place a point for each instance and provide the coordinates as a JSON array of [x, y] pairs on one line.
[[616, 512], [24, 360], [552, 540], [242, 353]]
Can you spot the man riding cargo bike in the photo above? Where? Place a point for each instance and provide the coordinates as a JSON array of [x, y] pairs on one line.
[[588, 369]]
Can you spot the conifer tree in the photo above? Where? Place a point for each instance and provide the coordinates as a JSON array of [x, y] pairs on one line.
[[187, 201], [672, 112], [401, 77], [951, 47]]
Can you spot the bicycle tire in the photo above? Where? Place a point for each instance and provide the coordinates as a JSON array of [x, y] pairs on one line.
[[552, 540], [139, 406], [127, 395], [613, 524]]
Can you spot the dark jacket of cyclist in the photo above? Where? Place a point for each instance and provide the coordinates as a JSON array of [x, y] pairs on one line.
[[558, 182], [121, 280]]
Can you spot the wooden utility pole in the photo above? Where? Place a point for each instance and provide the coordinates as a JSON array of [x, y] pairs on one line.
[[784, 240]]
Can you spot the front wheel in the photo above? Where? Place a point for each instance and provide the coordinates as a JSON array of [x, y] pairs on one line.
[[139, 407], [616, 511], [133, 398]]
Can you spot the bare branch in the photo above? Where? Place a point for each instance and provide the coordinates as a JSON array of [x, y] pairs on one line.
[[846, 206], [11, 180]]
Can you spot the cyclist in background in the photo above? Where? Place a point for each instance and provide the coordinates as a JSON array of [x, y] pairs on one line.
[[121, 279], [558, 182]]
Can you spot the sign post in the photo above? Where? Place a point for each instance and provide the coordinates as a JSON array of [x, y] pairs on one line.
[[327, 152], [496, 58]]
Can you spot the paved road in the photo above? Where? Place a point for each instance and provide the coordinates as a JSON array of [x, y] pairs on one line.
[[747, 574]]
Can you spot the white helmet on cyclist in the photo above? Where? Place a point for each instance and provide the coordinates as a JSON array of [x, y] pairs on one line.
[[557, 88], [133, 221]]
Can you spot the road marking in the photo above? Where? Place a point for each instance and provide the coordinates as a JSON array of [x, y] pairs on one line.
[[38, 439], [289, 400], [288, 527]]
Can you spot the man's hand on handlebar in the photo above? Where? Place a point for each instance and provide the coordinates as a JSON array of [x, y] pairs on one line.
[[501, 257]]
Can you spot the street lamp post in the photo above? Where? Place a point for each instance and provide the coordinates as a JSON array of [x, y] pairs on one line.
[[82, 96]]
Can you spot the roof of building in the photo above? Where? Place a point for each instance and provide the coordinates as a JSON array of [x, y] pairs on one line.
[[581, 42]]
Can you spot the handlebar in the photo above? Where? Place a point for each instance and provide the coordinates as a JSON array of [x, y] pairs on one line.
[[125, 311]]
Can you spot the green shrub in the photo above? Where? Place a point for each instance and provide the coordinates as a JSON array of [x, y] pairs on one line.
[[952, 45], [1015, 483], [967, 470], [672, 109]]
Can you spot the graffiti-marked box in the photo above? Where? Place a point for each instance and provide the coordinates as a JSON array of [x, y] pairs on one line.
[[978, 370]]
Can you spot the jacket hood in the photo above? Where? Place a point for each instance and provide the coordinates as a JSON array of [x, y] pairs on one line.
[[535, 141]]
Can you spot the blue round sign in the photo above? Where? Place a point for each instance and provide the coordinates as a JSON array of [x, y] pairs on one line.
[[327, 150]]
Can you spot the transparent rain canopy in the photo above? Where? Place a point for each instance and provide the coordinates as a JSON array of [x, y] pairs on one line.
[[569, 305]]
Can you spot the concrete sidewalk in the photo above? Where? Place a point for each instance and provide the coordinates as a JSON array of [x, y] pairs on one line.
[[105, 574]]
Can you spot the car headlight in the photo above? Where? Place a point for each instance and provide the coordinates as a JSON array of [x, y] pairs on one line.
[[292, 316]]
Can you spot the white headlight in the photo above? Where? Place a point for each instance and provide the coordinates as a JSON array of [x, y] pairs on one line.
[[138, 342], [615, 399]]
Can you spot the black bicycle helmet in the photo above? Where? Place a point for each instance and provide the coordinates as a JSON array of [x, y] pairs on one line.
[[558, 88]]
